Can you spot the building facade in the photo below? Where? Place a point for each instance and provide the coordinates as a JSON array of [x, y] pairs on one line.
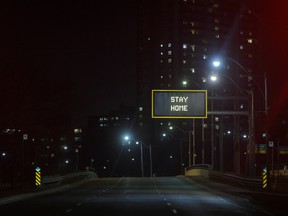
[[178, 40]]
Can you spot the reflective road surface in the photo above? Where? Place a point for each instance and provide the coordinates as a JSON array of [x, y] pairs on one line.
[[140, 196]]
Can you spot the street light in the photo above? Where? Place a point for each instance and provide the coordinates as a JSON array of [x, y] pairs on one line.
[[213, 77], [164, 135], [185, 83], [193, 142], [217, 63], [251, 131], [127, 138]]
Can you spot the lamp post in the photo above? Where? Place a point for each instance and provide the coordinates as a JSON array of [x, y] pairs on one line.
[[185, 83], [251, 126], [127, 138], [251, 148], [191, 143], [180, 146]]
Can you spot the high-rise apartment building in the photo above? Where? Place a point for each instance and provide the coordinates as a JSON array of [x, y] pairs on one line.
[[177, 42]]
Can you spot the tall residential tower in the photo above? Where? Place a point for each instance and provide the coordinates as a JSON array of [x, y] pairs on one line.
[[177, 42]]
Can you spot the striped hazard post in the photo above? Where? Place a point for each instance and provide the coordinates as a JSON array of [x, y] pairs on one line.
[[37, 176], [264, 177]]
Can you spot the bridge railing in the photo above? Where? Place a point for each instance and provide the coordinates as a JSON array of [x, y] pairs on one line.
[[205, 170], [57, 179]]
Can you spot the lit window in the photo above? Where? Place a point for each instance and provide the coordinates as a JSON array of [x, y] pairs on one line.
[[217, 36], [161, 45], [169, 60], [192, 70], [193, 48], [161, 53], [216, 28], [169, 52], [184, 46], [77, 139], [241, 47], [77, 130], [184, 61], [140, 109], [169, 45], [250, 41]]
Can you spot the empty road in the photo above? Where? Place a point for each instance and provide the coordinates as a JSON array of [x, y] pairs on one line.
[[139, 196]]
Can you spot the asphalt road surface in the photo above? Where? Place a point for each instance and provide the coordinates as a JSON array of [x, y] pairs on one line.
[[141, 196]]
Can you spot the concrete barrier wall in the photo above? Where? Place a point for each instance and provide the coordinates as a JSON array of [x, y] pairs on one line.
[[197, 172], [72, 176], [205, 171]]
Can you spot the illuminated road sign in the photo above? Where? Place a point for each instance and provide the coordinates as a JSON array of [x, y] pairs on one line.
[[179, 103]]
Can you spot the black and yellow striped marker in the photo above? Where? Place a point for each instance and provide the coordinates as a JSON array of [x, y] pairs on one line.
[[264, 177], [37, 176]]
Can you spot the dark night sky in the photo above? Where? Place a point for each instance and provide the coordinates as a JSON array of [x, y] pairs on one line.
[[89, 45]]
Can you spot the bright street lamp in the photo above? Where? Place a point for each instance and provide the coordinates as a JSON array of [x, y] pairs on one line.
[[216, 63], [213, 77], [193, 143], [251, 148], [127, 138]]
